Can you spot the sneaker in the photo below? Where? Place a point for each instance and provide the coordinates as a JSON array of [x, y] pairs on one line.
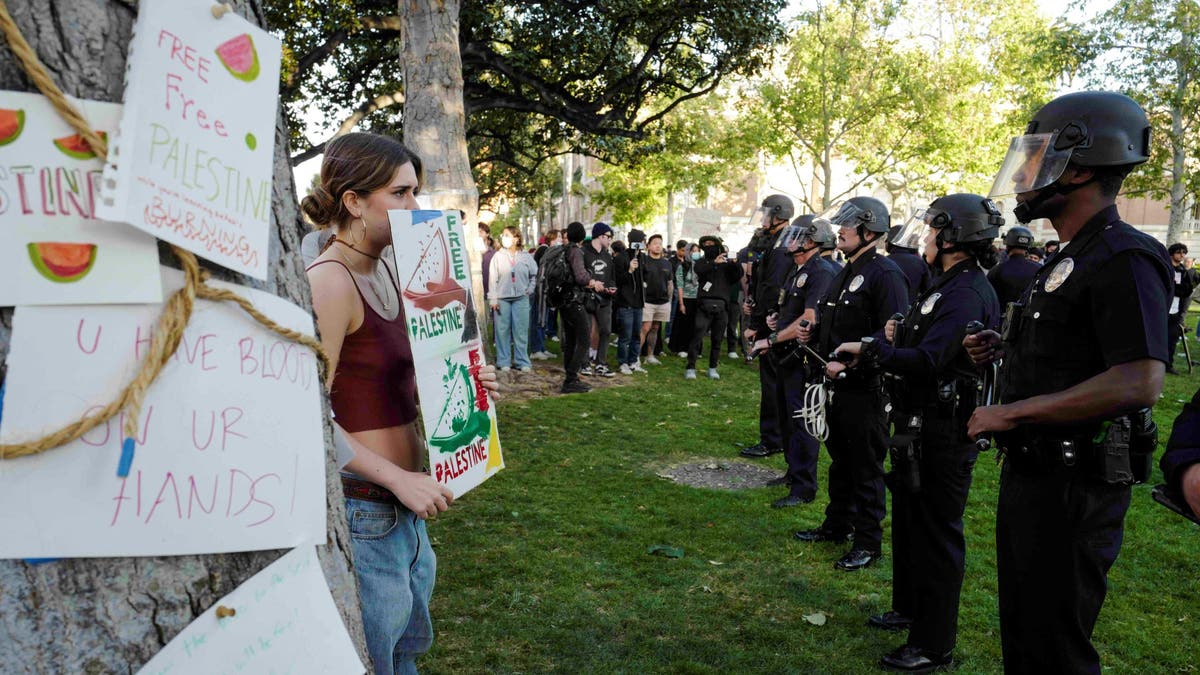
[[526, 369], [554, 338], [586, 370], [637, 368], [713, 374], [575, 387], [603, 371], [733, 355], [689, 374], [653, 361], [505, 369], [539, 356], [625, 369], [682, 355]]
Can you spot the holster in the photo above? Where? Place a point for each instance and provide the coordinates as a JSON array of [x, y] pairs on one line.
[[905, 450]]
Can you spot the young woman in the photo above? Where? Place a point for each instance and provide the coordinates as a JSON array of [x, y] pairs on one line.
[[373, 392], [686, 287], [513, 275]]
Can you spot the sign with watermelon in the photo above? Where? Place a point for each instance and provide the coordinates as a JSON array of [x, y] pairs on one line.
[[193, 159], [458, 413], [57, 251]]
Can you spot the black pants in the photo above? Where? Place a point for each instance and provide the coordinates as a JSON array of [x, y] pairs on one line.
[[1174, 332], [857, 443], [770, 428], [577, 333], [710, 320], [928, 549], [604, 321], [800, 449], [733, 331], [683, 326], [1057, 535]]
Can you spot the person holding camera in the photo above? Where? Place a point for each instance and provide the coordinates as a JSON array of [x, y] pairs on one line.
[[631, 302], [598, 258], [715, 273]]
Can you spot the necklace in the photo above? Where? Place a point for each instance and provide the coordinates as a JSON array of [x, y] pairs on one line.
[[386, 294]]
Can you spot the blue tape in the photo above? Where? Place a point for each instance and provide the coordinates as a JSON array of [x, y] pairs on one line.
[[126, 458], [2, 386], [41, 561]]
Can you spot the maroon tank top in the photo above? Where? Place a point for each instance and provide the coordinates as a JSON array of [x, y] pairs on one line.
[[375, 384]]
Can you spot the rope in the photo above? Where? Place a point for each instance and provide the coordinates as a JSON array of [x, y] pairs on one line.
[[813, 412], [177, 310]]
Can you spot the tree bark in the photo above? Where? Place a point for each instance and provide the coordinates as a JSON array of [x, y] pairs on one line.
[[111, 615], [435, 123], [1175, 225]]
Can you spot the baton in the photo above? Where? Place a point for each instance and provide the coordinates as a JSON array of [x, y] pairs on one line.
[[805, 323], [987, 386]]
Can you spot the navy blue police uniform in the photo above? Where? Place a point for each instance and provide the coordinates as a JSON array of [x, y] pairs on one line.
[[914, 268], [1011, 277], [1060, 516], [933, 396], [861, 299], [803, 290], [1183, 448], [766, 279]]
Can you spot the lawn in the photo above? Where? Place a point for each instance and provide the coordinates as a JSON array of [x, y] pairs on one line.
[[546, 568]]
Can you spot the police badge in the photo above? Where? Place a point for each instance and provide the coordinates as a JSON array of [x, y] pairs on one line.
[[1059, 274], [856, 283], [801, 279], [929, 303]]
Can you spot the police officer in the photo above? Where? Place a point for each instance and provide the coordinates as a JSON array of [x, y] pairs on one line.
[[913, 265], [861, 298], [803, 289], [1180, 464], [828, 239], [1084, 354], [933, 395], [770, 268], [1011, 276]]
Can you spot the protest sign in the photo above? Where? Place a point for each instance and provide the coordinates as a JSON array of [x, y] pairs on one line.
[[56, 251], [281, 620], [193, 160], [699, 222], [230, 445], [433, 268]]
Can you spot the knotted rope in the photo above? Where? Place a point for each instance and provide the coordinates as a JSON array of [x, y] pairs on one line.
[[176, 312]]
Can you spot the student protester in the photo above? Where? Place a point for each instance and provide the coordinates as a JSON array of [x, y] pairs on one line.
[[513, 274], [1183, 293], [576, 321], [362, 325], [599, 261], [659, 287], [686, 287], [630, 302], [715, 273], [540, 316]]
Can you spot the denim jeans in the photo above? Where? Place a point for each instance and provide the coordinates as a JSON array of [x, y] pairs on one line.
[[395, 567], [629, 338], [537, 331], [512, 332]]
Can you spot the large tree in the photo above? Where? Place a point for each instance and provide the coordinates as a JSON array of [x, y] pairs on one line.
[[1152, 52], [114, 614]]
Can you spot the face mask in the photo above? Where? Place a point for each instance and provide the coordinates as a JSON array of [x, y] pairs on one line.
[[696, 255], [506, 241]]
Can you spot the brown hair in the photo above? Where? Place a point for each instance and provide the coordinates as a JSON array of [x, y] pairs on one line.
[[359, 163], [520, 241]]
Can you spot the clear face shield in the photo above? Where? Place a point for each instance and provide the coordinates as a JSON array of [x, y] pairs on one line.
[[794, 238], [912, 234], [845, 215], [1031, 164], [760, 219]]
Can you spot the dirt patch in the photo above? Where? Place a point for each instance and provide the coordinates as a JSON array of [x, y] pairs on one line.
[[546, 379], [719, 474]]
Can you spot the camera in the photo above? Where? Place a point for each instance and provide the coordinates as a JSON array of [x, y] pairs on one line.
[[638, 246]]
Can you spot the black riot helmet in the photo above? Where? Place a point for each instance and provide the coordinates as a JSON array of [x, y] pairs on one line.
[[867, 213], [893, 239], [824, 235], [1018, 237], [778, 206], [1094, 129], [964, 222], [799, 236]]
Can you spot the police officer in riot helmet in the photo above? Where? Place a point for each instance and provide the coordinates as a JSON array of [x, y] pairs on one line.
[[802, 291], [770, 267], [827, 238], [934, 387], [1014, 273], [861, 299], [906, 258], [1077, 380]]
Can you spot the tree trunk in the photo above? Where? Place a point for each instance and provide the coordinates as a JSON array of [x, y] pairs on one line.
[[95, 615], [435, 123], [1178, 216], [670, 219]]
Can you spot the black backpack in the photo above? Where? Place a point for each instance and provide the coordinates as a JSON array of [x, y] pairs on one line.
[[555, 282]]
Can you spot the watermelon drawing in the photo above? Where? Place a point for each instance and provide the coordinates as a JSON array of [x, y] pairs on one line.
[[12, 123], [74, 146], [61, 262], [239, 57]]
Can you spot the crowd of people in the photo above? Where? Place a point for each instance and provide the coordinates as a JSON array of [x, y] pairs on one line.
[[929, 353]]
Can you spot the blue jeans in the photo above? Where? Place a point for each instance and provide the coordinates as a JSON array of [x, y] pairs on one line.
[[629, 337], [537, 331], [395, 567], [512, 332]]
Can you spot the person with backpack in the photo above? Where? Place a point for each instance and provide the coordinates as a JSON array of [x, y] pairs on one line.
[[563, 283], [715, 273]]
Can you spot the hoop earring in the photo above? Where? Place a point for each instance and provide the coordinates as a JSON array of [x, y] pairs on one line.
[[364, 234]]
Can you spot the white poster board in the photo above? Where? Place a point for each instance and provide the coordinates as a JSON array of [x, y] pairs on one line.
[[193, 161], [699, 222], [433, 269], [230, 447], [284, 621], [55, 250]]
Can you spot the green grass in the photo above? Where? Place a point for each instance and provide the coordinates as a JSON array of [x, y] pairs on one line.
[[545, 567]]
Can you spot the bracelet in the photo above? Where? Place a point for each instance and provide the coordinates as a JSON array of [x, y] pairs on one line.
[[771, 339]]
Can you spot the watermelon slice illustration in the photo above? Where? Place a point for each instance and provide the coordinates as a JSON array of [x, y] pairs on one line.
[[60, 262], [12, 122], [74, 146], [239, 57]]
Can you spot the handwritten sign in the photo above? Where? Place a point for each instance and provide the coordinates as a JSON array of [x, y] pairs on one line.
[[284, 621], [699, 222], [230, 449], [458, 413], [55, 250], [194, 157]]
